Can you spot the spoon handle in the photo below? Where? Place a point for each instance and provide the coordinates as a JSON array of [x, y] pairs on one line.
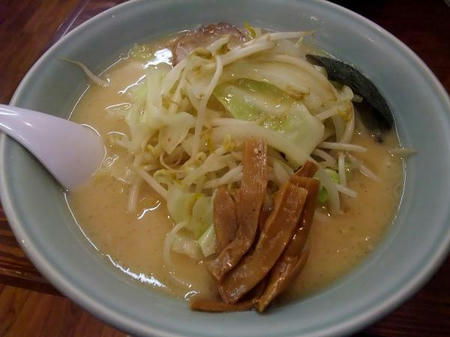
[[70, 151]]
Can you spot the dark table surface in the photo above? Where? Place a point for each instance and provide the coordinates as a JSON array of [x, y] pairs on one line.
[[29, 27]]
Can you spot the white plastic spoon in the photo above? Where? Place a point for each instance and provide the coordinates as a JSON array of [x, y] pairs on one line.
[[70, 151]]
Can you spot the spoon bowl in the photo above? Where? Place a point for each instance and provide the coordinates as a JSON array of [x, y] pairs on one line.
[[71, 152]]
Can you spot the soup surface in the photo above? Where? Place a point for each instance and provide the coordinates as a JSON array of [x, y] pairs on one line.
[[133, 241]]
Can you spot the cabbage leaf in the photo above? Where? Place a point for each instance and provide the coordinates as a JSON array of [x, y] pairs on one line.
[[273, 109]]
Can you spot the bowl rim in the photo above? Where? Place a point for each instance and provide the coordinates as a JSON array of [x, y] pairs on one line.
[[63, 283]]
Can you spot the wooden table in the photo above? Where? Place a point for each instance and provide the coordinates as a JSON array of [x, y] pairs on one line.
[[29, 27]]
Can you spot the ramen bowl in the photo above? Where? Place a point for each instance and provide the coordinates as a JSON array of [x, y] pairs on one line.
[[415, 244]]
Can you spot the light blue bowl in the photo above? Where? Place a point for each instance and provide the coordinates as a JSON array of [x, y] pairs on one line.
[[415, 245]]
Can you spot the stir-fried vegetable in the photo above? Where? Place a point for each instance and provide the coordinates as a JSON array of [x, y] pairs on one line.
[[187, 124], [274, 109], [242, 137], [322, 196]]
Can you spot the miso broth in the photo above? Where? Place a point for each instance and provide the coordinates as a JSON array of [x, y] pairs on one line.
[[134, 241]]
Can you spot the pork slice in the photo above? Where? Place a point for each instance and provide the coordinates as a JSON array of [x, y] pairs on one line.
[[202, 37]]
